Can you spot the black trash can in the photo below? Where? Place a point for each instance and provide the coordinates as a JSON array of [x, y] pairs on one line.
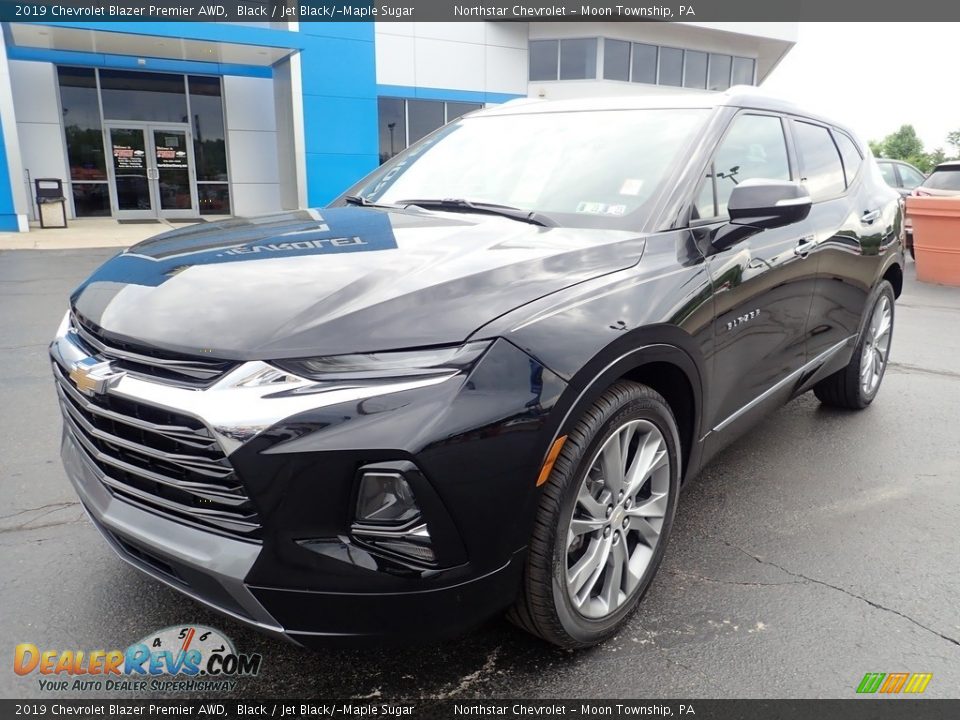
[[51, 204]]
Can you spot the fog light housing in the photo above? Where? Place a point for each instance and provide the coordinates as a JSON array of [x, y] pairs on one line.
[[385, 498], [388, 517]]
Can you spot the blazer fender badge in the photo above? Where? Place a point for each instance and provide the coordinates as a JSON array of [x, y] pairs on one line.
[[93, 377], [740, 320]]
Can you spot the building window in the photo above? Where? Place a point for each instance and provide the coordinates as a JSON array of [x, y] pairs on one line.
[[616, 60], [718, 77], [544, 59], [644, 66], [156, 97], [627, 61], [743, 71], [694, 69], [209, 144], [567, 59], [402, 122], [91, 199], [423, 117], [578, 59]]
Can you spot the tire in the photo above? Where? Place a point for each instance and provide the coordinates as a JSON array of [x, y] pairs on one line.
[[849, 387], [579, 519]]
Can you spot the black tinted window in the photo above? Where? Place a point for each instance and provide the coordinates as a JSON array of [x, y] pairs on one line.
[[944, 179], [850, 155], [753, 148], [820, 167], [81, 124]]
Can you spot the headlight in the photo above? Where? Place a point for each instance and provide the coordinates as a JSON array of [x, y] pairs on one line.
[[375, 366], [64, 325]]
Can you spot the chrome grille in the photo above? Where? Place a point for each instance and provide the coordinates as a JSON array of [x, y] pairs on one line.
[[139, 360], [158, 459]]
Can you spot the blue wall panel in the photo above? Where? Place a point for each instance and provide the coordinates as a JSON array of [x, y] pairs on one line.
[[339, 78], [8, 211]]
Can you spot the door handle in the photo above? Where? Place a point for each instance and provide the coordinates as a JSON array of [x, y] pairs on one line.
[[804, 246], [870, 216]]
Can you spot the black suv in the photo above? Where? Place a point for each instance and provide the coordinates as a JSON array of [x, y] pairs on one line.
[[477, 381]]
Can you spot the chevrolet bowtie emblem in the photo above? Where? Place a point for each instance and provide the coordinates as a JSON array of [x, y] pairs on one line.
[[93, 377]]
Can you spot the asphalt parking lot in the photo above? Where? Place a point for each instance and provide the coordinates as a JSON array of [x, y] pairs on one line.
[[821, 546]]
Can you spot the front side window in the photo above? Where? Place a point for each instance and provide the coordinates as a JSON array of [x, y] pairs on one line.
[[909, 178], [754, 147], [820, 167], [584, 169]]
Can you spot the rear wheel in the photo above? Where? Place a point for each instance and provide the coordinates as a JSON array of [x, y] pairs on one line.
[[856, 385], [603, 521]]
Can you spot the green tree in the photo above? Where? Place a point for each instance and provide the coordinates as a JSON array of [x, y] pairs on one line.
[[903, 144], [953, 140]]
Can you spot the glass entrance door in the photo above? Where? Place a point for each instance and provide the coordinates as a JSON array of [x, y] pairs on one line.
[[152, 171]]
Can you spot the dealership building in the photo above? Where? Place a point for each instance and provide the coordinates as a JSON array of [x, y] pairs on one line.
[[179, 120]]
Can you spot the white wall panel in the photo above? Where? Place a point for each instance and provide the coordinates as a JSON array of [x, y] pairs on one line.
[[41, 151], [253, 157], [395, 59], [255, 199], [35, 91], [248, 103], [444, 64], [507, 70]]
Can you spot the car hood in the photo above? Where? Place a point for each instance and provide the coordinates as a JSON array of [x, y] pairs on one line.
[[337, 280]]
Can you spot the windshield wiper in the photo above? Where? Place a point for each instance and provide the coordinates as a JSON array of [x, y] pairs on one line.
[[364, 202], [463, 205]]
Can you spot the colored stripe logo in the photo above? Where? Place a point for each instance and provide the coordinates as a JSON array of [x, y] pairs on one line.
[[893, 683]]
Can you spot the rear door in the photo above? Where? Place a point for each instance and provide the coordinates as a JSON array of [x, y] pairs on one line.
[[763, 284], [850, 230]]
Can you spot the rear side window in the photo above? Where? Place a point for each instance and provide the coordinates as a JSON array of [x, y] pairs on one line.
[[850, 155], [944, 179], [753, 148], [889, 175], [820, 167]]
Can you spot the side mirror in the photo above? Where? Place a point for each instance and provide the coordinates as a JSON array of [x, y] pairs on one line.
[[766, 204], [759, 204]]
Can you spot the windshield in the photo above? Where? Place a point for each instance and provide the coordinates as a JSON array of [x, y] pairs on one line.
[[588, 169], [943, 179]]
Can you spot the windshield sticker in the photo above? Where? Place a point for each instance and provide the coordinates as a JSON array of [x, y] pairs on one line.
[[631, 186], [598, 208]]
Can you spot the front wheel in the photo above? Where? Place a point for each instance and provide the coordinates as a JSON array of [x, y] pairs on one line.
[[856, 385], [603, 521]]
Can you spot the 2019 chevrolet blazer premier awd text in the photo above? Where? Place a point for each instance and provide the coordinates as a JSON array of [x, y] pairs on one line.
[[476, 381]]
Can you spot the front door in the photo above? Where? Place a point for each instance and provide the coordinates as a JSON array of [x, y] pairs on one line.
[[152, 171], [763, 284]]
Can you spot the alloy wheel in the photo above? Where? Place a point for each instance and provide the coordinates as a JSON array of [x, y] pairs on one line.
[[617, 519], [876, 346]]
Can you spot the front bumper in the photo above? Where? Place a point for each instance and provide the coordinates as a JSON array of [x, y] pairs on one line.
[[304, 578]]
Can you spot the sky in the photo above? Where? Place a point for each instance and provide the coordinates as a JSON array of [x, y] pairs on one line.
[[875, 77]]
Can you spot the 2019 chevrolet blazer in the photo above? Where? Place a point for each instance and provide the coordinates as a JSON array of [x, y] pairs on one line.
[[477, 380]]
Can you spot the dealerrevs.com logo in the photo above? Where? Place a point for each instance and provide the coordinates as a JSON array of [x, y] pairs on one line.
[[175, 659]]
